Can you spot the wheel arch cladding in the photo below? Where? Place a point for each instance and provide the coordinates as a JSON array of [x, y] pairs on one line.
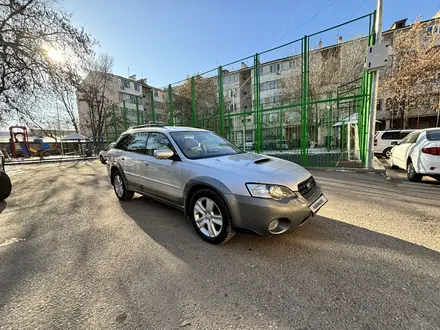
[[198, 183], [116, 168]]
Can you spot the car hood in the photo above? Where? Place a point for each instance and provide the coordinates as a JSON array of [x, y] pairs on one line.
[[259, 168]]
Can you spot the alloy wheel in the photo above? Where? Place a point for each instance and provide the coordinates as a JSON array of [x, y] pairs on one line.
[[208, 217]]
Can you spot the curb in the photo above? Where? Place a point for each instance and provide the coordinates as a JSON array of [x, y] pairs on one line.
[[378, 168], [48, 161]]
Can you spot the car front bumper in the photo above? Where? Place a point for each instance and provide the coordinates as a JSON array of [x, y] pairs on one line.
[[255, 214]]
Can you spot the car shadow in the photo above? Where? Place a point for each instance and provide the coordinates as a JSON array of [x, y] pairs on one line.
[[324, 263], [3, 205]]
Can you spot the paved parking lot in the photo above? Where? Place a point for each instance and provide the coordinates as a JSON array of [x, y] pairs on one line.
[[73, 257]]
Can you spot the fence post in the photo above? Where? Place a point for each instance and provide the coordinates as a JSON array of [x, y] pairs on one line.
[[304, 96], [114, 122], [221, 101], [257, 105], [153, 113], [329, 124], [124, 114], [281, 131], [137, 110], [170, 102], [193, 103]]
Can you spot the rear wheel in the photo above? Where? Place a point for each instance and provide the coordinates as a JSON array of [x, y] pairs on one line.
[[210, 217], [5, 186], [119, 186], [412, 174], [387, 153]]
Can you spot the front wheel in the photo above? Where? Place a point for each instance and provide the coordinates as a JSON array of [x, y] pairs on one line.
[[210, 217], [102, 160], [119, 186], [5, 186], [412, 174]]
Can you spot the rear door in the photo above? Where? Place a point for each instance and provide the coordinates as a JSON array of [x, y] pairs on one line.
[[388, 140], [400, 153], [134, 159]]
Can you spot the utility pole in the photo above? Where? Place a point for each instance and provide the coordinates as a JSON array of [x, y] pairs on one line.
[[374, 90]]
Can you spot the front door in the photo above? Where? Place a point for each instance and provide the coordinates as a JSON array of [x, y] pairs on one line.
[[161, 177]]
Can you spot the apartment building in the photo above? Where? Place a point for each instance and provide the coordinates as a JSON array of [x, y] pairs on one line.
[[421, 111], [130, 99]]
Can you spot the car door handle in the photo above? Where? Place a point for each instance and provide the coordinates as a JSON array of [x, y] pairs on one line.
[[147, 163], [122, 158]]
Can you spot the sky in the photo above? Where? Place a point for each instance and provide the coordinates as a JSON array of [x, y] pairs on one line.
[[166, 40]]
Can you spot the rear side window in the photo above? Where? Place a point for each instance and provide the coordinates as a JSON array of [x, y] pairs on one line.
[[138, 142], [123, 142], [433, 135], [391, 136], [412, 138]]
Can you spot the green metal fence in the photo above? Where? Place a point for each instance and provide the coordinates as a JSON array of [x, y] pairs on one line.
[[306, 101]]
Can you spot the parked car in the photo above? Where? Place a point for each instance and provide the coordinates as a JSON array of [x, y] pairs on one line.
[[419, 154], [5, 181], [103, 153], [384, 141], [217, 185]]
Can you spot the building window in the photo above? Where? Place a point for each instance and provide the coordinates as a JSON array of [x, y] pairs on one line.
[[136, 87], [275, 68], [126, 84], [261, 71], [231, 107]]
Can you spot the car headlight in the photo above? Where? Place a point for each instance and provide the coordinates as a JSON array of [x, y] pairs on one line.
[[269, 191]]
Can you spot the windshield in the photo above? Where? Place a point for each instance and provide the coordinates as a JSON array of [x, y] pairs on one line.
[[201, 144]]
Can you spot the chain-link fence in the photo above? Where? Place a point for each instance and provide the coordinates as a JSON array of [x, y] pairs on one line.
[[306, 101]]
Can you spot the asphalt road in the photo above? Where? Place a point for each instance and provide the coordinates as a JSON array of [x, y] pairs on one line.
[[73, 257]]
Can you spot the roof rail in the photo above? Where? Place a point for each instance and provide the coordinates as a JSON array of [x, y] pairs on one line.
[[146, 125]]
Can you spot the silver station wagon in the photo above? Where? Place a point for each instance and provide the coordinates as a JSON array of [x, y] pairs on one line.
[[218, 186]]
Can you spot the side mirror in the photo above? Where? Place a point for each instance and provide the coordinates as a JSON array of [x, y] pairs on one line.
[[163, 154]]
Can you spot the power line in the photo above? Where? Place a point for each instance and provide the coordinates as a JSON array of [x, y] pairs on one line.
[[290, 22], [308, 20]]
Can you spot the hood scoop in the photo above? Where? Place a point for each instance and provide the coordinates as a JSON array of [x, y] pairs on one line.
[[262, 160]]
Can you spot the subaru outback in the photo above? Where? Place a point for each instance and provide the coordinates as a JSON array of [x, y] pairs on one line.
[[217, 185]]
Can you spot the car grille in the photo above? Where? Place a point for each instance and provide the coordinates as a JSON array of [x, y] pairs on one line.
[[307, 188]]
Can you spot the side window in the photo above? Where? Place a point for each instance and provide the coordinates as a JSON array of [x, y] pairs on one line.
[[412, 138], [391, 136], [157, 141], [138, 142], [123, 142], [404, 134]]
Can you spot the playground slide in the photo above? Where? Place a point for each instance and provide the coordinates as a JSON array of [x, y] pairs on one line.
[[25, 149]]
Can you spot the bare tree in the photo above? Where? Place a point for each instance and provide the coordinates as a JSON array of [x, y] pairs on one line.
[[205, 98], [413, 73], [329, 68], [38, 45], [94, 96]]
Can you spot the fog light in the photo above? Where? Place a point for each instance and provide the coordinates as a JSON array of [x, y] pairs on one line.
[[273, 225]]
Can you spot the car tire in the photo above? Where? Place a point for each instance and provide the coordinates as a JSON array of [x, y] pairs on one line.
[[212, 222], [103, 161], [387, 153], [5, 186], [412, 174], [119, 187]]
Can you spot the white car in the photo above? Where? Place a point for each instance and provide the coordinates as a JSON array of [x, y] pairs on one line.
[[384, 141], [419, 154], [103, 153]]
